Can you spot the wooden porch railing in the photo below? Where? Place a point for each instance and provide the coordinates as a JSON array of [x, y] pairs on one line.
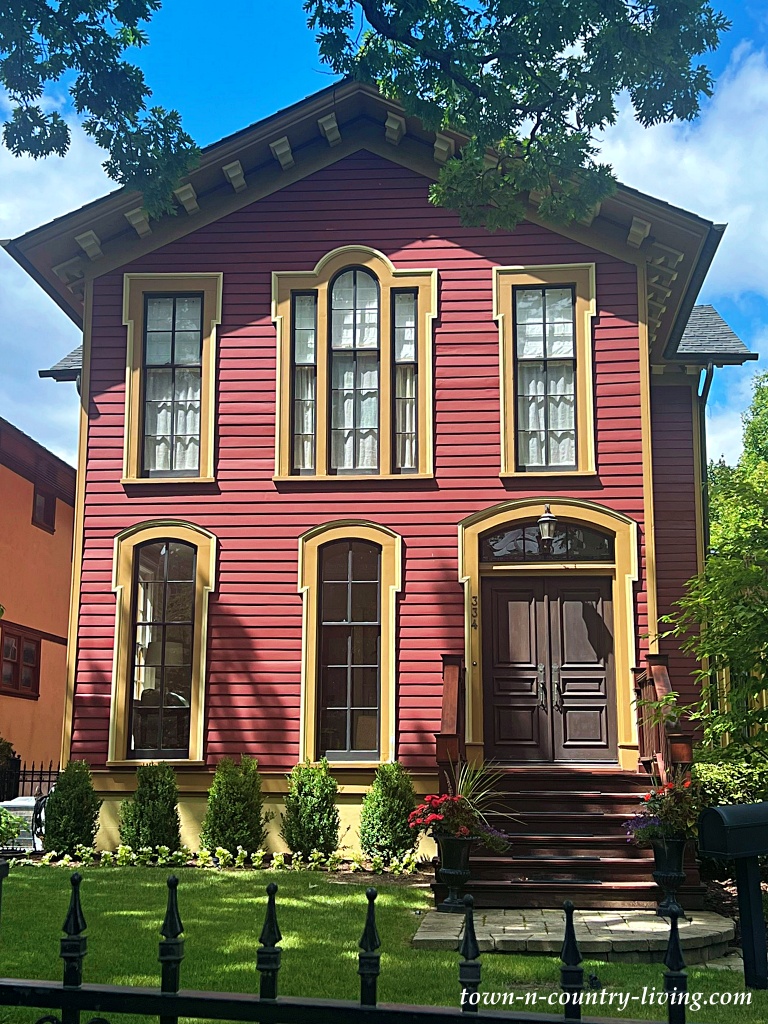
[[662, 746], [450, 745]]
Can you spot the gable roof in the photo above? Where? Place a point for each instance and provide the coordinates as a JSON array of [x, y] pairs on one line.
[[672, 246]]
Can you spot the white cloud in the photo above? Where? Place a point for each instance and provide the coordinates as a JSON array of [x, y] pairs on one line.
[[35, 333], [714, 166]]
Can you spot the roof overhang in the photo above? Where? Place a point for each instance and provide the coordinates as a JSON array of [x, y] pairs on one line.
[[674, 247]]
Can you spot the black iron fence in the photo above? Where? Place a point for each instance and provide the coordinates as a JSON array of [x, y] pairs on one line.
[[72, 997], [17, 779]]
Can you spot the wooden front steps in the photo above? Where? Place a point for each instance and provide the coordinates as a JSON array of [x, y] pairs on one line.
[[568, 842]]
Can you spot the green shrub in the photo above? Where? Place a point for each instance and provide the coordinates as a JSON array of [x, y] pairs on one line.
[[152, 817], [384, 829], [311, 819], [72, 810], [6, 750], [235, 815], [11, 826], [731, 782]]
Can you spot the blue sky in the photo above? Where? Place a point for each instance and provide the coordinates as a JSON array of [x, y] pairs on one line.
[[255, 58]]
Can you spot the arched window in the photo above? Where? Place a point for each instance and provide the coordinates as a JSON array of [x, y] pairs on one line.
[[355, 357], [521, 542], [163, 649], [349, 576], [349, 665], [354, 354], [163, 573]]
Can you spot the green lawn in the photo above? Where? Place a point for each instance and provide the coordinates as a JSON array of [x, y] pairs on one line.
[[321, 922]]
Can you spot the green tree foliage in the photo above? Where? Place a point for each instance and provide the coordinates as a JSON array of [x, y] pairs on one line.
[[384, 829], [152, 817], [311, 818], [84, 42], [72, 810], [235, 815], [532, 81], [723, 617]]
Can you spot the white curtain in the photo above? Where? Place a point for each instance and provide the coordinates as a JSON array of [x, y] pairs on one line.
[[172, 420], [562, 427], [355, 412], [304, 418], [405, 417], [530, 414]]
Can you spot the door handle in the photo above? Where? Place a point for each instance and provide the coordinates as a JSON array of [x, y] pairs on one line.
[[542, 688], [557, 694]]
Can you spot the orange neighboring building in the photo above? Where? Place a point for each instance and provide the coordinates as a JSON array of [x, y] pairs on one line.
[[37, 498]]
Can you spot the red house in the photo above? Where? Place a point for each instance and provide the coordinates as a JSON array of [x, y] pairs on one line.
[[321, 423]]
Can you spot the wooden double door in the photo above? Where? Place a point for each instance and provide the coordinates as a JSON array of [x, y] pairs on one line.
[[549, 689]]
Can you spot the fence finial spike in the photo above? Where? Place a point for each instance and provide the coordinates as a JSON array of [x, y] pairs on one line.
[[469, 948], [673, 958], [172, 926], [74, 923], [270, 933], [369, 940], [570, 954]]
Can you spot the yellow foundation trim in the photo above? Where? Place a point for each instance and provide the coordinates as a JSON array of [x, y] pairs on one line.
[[580, 276], [135, 288], [309, 585], [79, 530], [390, 279], [624, 572], [649, 514], [122, 666]]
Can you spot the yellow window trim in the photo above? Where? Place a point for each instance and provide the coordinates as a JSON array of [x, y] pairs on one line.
[[122, 584], [424, 282], [135, 287], [582, 277], [624, 571], [391, 583]]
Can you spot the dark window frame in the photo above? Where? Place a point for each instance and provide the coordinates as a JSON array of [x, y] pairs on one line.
[[350, 753], [299, 293], [355, 470], [393, 292], [547, 466], [151, 474], [133, 752], [47, 521], [15, 689]]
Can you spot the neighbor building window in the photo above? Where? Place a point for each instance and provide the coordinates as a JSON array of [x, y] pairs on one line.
[[20, 674], [547, 404], [163, 575], [44, 509], [350, 655], [359, 368], [171, 378]]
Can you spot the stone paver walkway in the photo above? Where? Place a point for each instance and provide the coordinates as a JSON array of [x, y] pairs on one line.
[[634, 936]]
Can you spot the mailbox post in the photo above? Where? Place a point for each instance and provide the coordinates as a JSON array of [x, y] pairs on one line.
[[740, 832]]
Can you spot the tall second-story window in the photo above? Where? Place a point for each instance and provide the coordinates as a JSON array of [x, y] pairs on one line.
[[355, 365], [173, 352], [355, 359], [545, 371]]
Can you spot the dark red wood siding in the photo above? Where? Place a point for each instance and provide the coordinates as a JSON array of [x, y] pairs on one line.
[[255, 614], [674, 486]]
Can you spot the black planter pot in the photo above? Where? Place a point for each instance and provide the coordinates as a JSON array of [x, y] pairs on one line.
[[453, 871], [669, 874]]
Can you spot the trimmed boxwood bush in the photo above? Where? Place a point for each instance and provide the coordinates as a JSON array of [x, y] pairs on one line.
[[384, 830], [311, 819], [72, 810], [235, 815], [731, 782], [152, 817]]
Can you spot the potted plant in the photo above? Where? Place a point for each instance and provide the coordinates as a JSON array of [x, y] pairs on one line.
[[456, 820], [666, 821]]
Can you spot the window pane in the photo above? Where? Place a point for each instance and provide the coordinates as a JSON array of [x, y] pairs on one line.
[[365, 728], [365, 602], [405, 327], [365, 687], [365, 561], [188, 312], [159, 385], [29, 653], [521, 543], [304, 418], [181, 561], [560, 339], [28, 675], [343, 291], [159, 314], [530, 341], [335, 688], [158, 348], [333, 730], [334, 607], [188, 347], [8, 673], [562, 448], [334, 645], [529, 305], [10, 648]]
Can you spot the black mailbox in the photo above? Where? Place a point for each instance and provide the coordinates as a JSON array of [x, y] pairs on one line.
[[739, 830]]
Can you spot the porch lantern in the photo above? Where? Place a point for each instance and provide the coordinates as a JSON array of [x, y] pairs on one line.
[[546, 523]]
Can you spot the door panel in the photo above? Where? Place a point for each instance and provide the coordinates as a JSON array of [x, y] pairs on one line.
[[514, 655], [549, 690]]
